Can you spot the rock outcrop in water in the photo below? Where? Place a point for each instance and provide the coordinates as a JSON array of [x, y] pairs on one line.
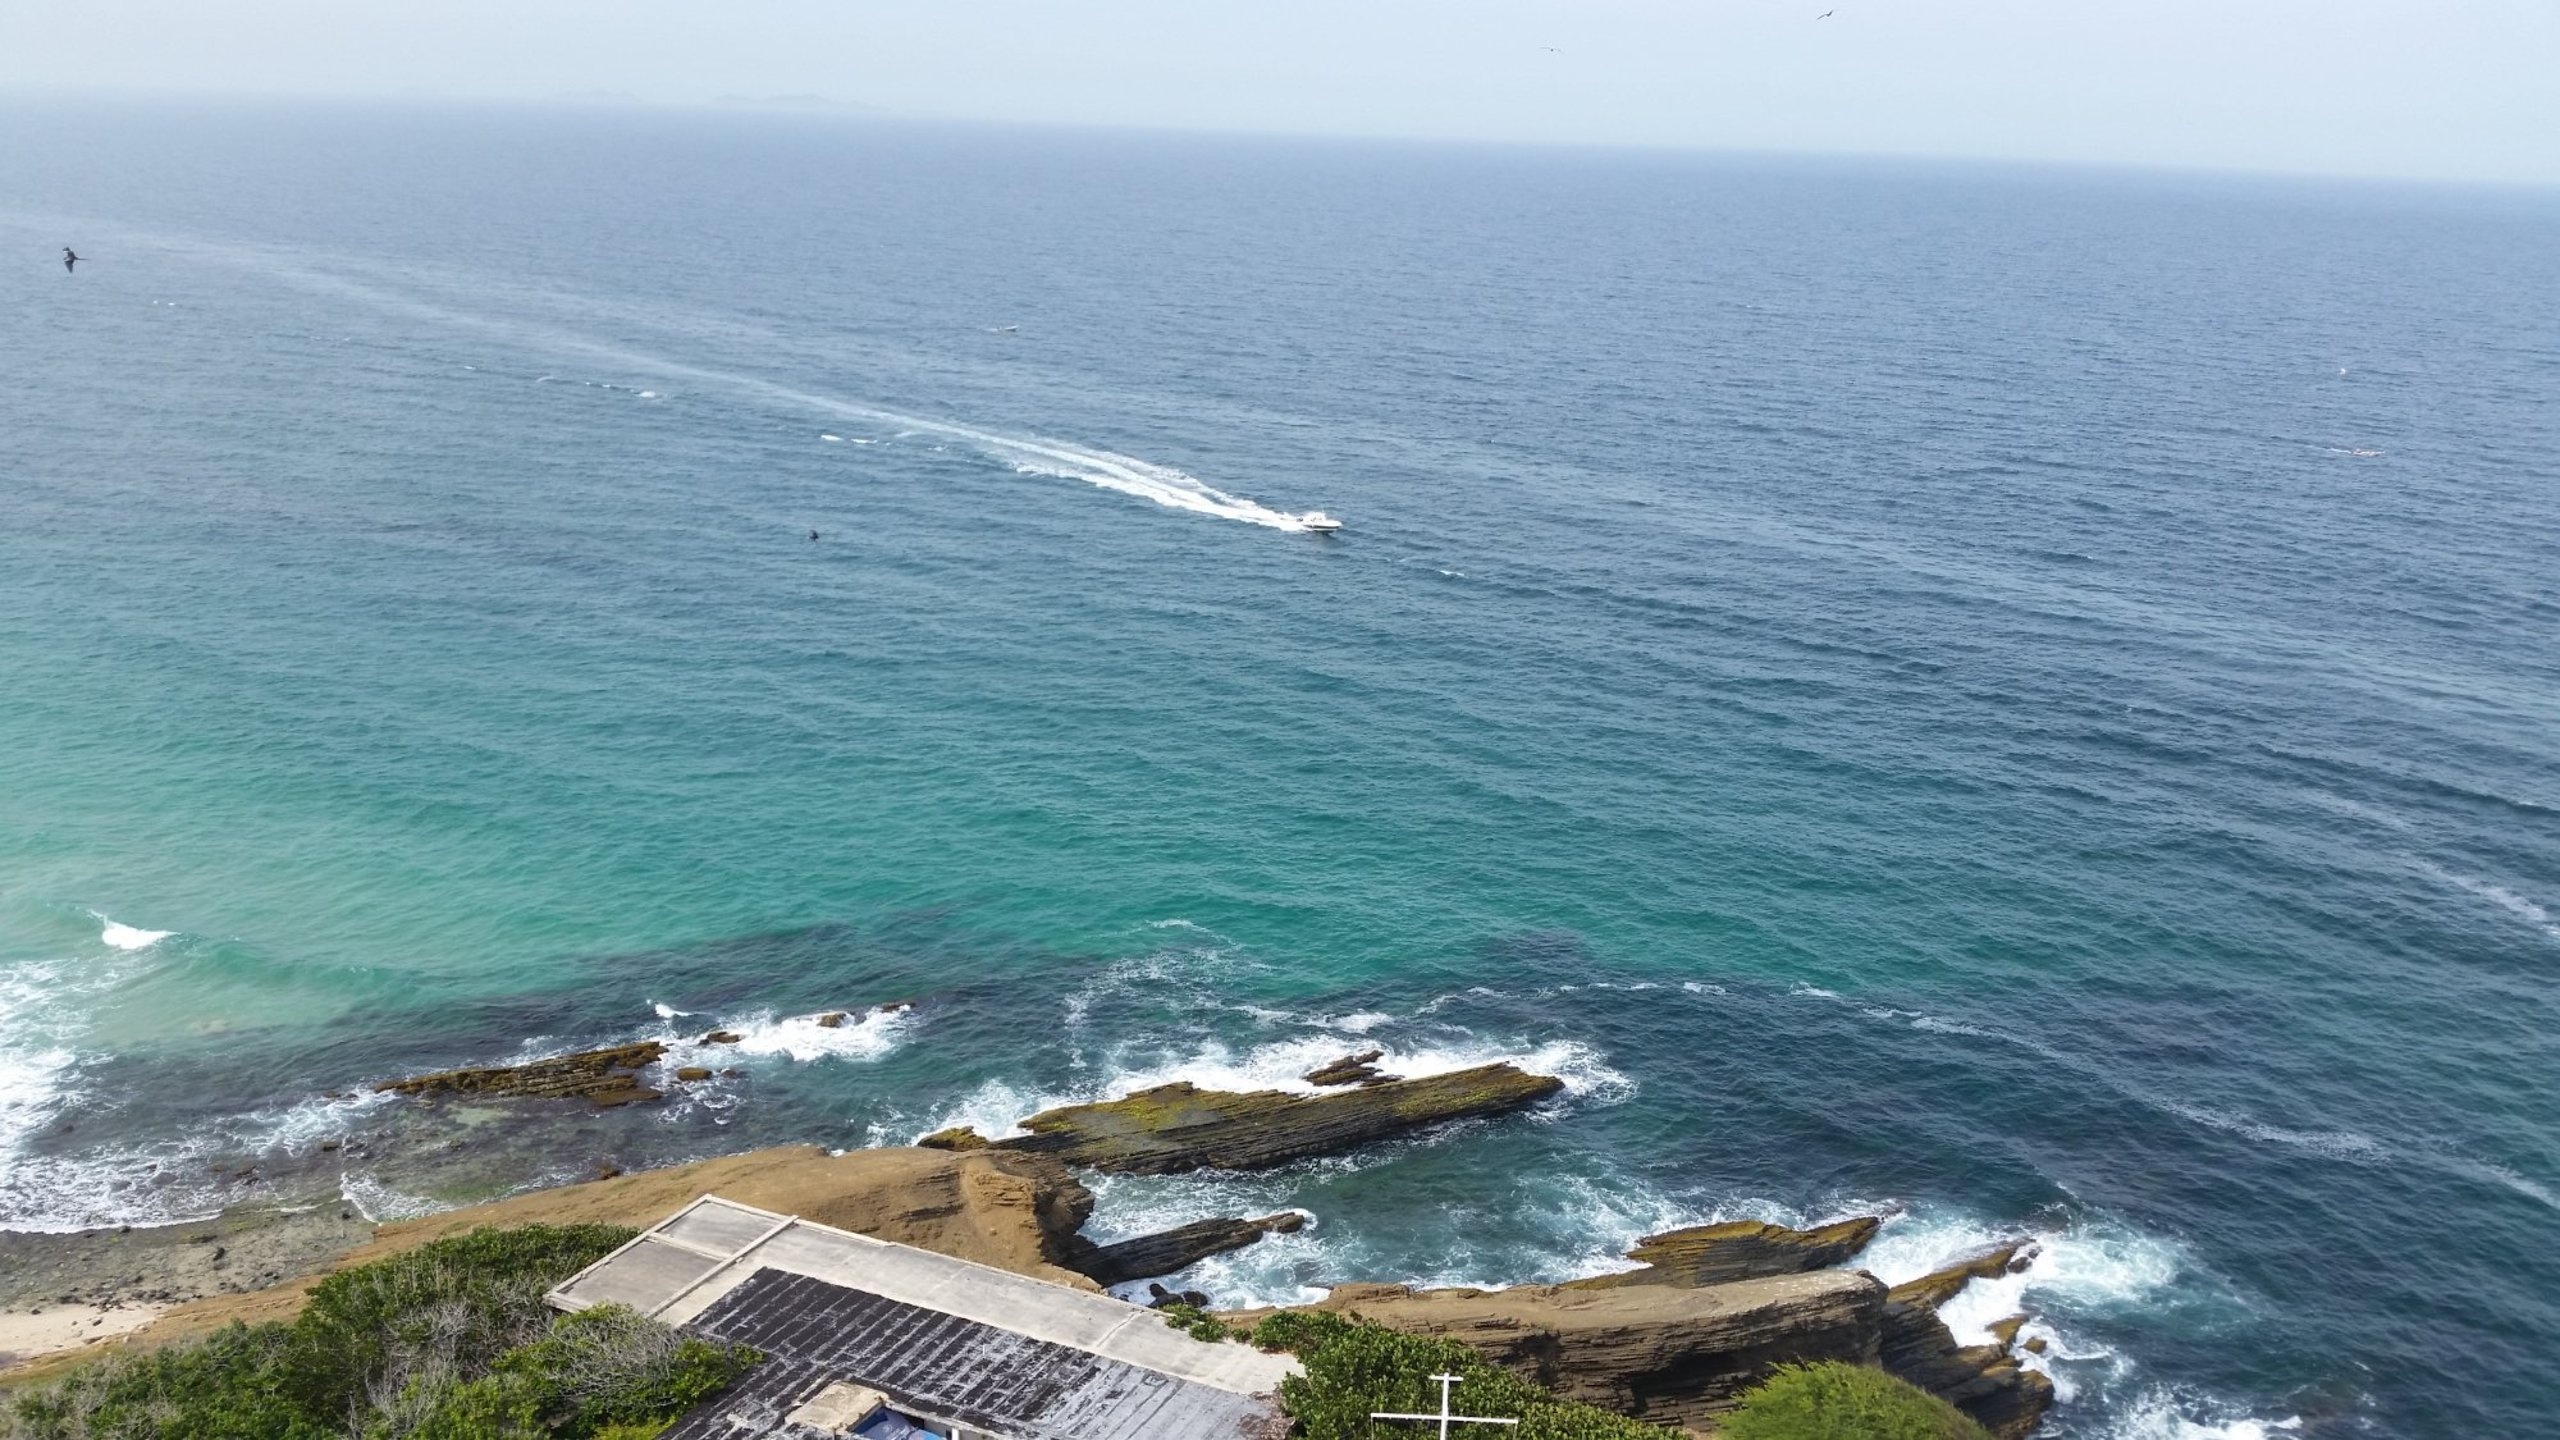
[[1670, 1354], [607, 1077], [1360, 1069], [1180, 1127], [1719, 1307], [1169, 1251], [1738, 1250], [1987, 1382]]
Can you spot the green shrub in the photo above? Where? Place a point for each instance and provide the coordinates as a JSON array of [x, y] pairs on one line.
[[1833, 1401], [450, 1341], [613, 1366], [223, 1387], [493, 1407], [1354, 1369], [447, 1308], [1197, 1323]]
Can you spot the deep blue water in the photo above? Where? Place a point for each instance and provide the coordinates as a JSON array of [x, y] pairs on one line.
[[2026, 698]]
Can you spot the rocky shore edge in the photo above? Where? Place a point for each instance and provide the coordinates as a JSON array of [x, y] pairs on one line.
[[1707, 1312]]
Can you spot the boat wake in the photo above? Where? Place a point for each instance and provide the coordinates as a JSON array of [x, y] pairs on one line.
[[1027, 454]]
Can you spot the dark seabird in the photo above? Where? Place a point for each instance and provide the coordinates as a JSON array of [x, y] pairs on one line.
[[68, 260], [813, 534]]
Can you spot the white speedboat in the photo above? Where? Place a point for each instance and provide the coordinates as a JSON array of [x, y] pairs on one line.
[[1316, 522]]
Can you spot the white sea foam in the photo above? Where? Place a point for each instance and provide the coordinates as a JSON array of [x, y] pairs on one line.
[[2159, 1415], [2502, 897], [667, 1011], [2342, 1144], [378, 1202], [831, 439], [997, 1108], [861, 1035], [1701, 987], [128, 937], [35, 1066], [2078, 1268]]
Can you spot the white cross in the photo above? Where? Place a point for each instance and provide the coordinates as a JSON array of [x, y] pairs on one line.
[[1444, 1417]]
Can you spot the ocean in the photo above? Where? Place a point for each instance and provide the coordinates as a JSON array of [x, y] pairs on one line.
[[2021, 700]]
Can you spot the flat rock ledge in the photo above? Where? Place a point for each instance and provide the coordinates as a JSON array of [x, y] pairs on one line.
[[607, 1077], [1168, 1252], [1180, 1127], [1737, 1250], [1667, 1354], [1662, 1348]]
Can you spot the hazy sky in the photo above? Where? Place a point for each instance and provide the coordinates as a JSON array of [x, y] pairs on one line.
[[2448, 88]]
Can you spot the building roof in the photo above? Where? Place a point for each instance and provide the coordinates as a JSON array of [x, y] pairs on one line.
[[942, 1366], [1017, 1357]]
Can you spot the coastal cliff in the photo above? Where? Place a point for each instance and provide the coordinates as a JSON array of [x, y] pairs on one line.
[[1707, 1313]]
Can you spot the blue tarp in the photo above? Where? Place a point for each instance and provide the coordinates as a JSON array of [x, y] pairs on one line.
[[890, 1425]]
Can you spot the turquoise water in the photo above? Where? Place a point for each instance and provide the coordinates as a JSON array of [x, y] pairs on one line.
[[2020, 698]]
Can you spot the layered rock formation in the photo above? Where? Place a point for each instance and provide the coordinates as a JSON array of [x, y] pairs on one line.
[[1738, 1250], [1713, 1312], [607, 1077], [1987, 1382], [1169, 1251], [1180, 1127], [1670, 1354]]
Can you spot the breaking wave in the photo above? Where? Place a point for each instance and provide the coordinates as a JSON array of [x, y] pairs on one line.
[[127, 937]]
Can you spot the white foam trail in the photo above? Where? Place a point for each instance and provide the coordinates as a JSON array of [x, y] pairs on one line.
[[2502, 897], [2343, 1144], [1107, 469], [2159, 1416], [128, 937]]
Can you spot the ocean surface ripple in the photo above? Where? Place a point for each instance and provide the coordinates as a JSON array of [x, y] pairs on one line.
[[2024, 701]]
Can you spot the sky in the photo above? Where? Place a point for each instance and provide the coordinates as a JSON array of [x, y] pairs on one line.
[[2443, 90]]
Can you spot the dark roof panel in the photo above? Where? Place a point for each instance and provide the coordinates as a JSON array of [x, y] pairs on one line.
[[941, 1365]]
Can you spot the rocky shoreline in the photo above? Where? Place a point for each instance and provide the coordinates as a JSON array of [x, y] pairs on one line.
[[1707, 1312]]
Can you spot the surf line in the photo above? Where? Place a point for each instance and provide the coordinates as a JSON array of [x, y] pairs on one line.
[[1028, 455]]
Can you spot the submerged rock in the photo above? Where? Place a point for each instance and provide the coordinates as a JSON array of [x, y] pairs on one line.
[[1169, 1251], [1360, 1069], [607, 1077], [1179, 1127], [1737, 1250], [1669, 1354]]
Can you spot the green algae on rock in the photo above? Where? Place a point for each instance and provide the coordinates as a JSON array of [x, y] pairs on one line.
[[1180, 1127], [608, 1077]]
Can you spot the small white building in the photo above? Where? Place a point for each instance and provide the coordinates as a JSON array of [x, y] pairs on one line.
[[867, 1338]]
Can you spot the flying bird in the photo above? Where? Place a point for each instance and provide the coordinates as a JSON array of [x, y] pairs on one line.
[[1552, 49], [1827, 14], [68, 260]]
